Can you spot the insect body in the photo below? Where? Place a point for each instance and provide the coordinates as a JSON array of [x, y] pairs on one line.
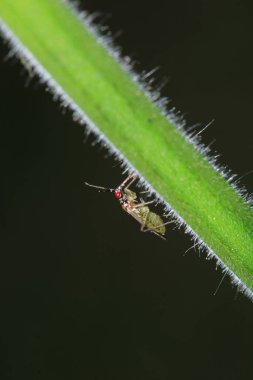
[[136, 207]]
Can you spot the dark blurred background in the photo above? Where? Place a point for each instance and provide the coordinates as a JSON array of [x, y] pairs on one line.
[[84, 294]]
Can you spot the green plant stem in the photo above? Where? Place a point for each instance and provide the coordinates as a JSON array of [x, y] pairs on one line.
[[97, 84]]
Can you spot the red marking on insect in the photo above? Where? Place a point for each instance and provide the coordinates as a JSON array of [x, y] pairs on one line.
[[118, 194], [125, 205]]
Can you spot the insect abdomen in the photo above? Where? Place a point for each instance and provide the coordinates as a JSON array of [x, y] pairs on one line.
[[152, 221], [155, 223]]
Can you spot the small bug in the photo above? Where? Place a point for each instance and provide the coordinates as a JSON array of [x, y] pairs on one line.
[[136, 206]]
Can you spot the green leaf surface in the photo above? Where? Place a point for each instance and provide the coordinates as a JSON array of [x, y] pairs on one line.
[[96, 84]]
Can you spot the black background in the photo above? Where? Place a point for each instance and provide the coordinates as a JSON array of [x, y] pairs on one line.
[[84, 294]]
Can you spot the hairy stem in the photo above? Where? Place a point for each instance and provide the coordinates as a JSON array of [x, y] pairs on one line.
[[85, 75]]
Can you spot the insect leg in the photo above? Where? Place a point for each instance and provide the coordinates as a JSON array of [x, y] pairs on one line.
[[153, 232], [160, 225], [123, 184], [144, 204], [131, 177], [130, 183]]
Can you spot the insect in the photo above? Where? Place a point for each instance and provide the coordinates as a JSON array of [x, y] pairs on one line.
[[136, 206]]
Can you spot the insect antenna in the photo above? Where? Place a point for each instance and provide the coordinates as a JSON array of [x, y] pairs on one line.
[[100, 188]]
